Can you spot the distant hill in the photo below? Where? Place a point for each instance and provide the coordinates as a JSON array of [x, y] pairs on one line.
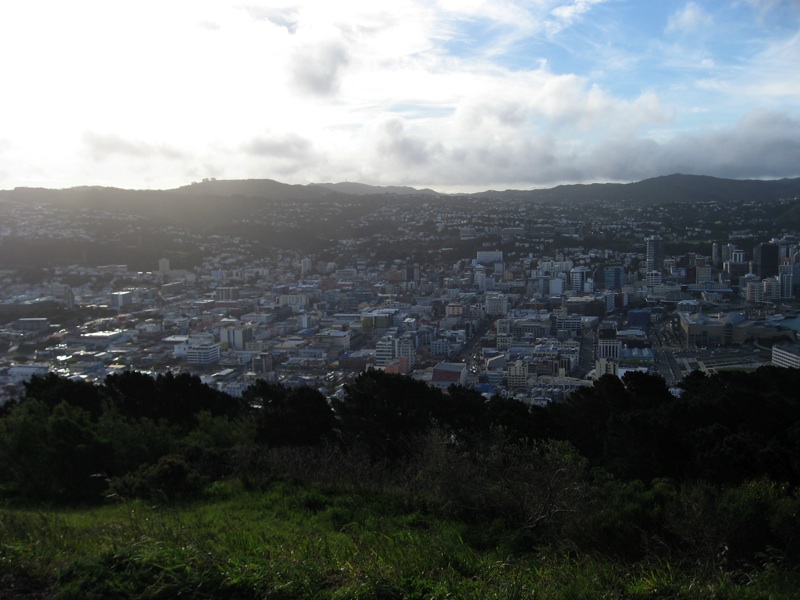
[[212, 202], [690, 189], [253, 188], [362, 189]]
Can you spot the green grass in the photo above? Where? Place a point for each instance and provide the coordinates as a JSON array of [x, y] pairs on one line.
[[303, 542]]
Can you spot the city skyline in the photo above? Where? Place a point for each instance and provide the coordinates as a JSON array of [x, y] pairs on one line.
[[456, 96]]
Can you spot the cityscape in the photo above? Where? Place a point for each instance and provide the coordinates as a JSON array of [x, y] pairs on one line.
[[525, 299], [423, 299]]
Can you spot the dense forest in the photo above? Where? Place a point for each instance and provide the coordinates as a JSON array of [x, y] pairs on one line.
[[625, 469]]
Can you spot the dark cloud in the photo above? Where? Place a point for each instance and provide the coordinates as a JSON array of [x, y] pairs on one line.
[[102, 146], [317, 69], [403, 149], [288, 146], [763, 144]]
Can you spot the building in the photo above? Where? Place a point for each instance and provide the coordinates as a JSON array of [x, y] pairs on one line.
[[226, 294], [203, 354], [655, 253], [577, 279], [31, 324], [703, 273], [640, 318], [614, 277], [786, 355], [652, 278], [765, 260], [517, 374], [496, 305], [236, 337], [385, 350], [786, 276], [120, 300], [608, 348], [446, 374], [406, 350], [487, 257], [297, 302]]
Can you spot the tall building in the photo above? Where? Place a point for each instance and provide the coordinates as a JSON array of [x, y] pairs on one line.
[[517, 374], [655, 253], [406, 349], [577, 279], [786, 275], [614, 277], [765, 260], [385, 350]]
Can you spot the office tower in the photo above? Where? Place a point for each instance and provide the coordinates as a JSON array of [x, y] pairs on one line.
[[655, 253], [765, 260], [786, 274], [614, 277]]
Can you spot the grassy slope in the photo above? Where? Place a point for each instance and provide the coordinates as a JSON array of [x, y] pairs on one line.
[[296, 542]]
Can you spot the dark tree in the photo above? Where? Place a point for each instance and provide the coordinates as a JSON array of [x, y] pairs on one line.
[[383, 412], [290, 416]]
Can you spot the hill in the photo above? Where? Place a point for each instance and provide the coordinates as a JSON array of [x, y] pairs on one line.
[[362, 189], [690, 189]]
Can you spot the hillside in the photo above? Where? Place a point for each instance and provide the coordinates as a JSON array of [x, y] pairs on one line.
[[689, 189], [397, 490], [216, 199]]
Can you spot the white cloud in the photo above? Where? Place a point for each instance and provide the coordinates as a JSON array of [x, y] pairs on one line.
[[688, 19], [447, 93]]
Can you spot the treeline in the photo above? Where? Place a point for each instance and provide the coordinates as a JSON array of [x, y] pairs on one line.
[[624, 467]]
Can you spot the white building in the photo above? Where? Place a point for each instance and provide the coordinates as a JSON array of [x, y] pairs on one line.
[[203, 354], [786, 356], [517, 374]]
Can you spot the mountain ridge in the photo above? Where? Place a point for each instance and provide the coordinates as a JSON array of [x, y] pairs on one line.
[[663, 188]]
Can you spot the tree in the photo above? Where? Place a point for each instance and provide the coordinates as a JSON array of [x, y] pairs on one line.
[[384, 411], [290, 416]]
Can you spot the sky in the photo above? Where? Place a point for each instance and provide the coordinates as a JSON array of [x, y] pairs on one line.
[[454, 95]]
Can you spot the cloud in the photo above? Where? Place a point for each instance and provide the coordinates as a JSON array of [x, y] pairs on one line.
[[397, 146], [102, 146], [287, 17], [565, 15], [688, 19], [763, 144], [317, 69], [286, 146]]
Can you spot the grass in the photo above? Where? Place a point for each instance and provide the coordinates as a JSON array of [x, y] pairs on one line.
[[299, 542]]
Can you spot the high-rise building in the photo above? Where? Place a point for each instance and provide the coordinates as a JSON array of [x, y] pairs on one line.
[[786, 275], [385, 350], [655, 253], [614, 277], [765, 260], [577, 278]]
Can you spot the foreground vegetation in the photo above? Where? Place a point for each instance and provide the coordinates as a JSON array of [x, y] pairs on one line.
[[296, 541], [162, 487]]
